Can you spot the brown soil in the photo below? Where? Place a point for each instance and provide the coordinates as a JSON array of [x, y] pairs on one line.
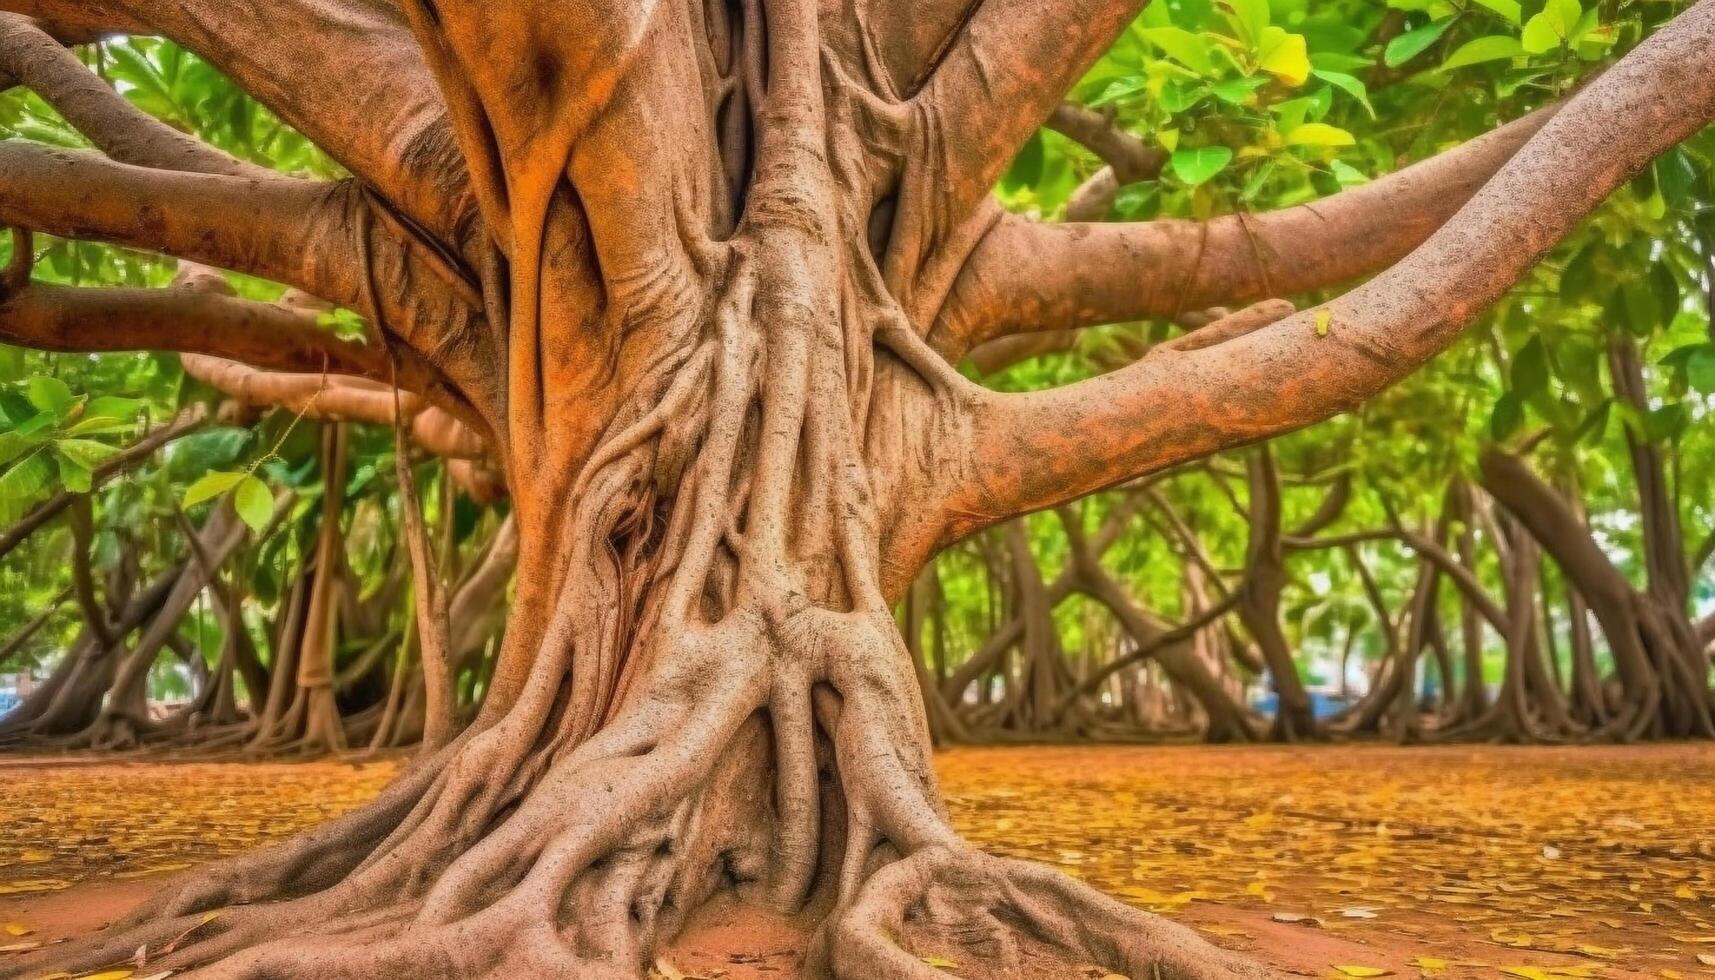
[[1440, 853]]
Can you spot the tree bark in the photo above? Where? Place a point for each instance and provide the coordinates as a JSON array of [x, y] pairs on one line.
[[705, 244]]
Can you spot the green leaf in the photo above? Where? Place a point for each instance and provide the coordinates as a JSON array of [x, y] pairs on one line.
[[1530, 370], [1676, 178], [1284, 55], [49, 394], [1350, 84], [15, 407], [1554, 26], [254, 503], [1347, 175], [202, 452], [37, 423], [76, 477], [1638, 305], [1665, 423], [1595, 424], [1666, 289], [113, 407], [15, 444], [1495, 47], [86, 453], [1026, 169], [1506, 418], [1238, 91], [210, 486], [1319, 134], [1191, 50], [1414, 42], [1508, 9], [99, 425], [20, 485], [1197, 165], [1249, 18], [1700, 369]]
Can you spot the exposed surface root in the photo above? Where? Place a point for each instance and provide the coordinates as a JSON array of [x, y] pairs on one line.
[[1000, 918], [583, 862]]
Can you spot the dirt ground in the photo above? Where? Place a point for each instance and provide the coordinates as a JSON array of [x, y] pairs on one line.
[[1324, 861]]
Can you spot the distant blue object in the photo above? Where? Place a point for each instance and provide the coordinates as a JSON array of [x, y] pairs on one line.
[[1322, 705], [8, 701]]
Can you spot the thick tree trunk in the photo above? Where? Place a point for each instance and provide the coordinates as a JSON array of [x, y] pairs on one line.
[[710, 241], [702, 687]]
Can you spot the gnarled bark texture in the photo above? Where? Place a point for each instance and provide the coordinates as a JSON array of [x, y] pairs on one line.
[[681, 277]]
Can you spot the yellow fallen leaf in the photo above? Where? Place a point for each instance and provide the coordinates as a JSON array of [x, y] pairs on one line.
[[940, 962], [108, 975], [1601, 952], [1363, 971], [1527, 972], [16, 929], [32, 885], [1673, 974], [35, 856], [155, 869]]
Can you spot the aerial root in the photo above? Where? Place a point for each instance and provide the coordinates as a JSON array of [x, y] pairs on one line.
[[998, 918]]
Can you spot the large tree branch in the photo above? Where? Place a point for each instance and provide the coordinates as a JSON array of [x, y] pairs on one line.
[[1028, 276], [323, 238], [1029, 451], [77, 21], [345, 73], [1130, 158], [1126, 159], [336, 398], [291, 231], [1002, 76], [39, 62], [63, 318]]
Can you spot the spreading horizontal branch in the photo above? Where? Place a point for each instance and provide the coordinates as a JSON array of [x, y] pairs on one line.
[[280, 228], [76, 21], [1033, 450], [337, 398], [1028, 276], [39, 62], [72, 319], [345, 73]]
